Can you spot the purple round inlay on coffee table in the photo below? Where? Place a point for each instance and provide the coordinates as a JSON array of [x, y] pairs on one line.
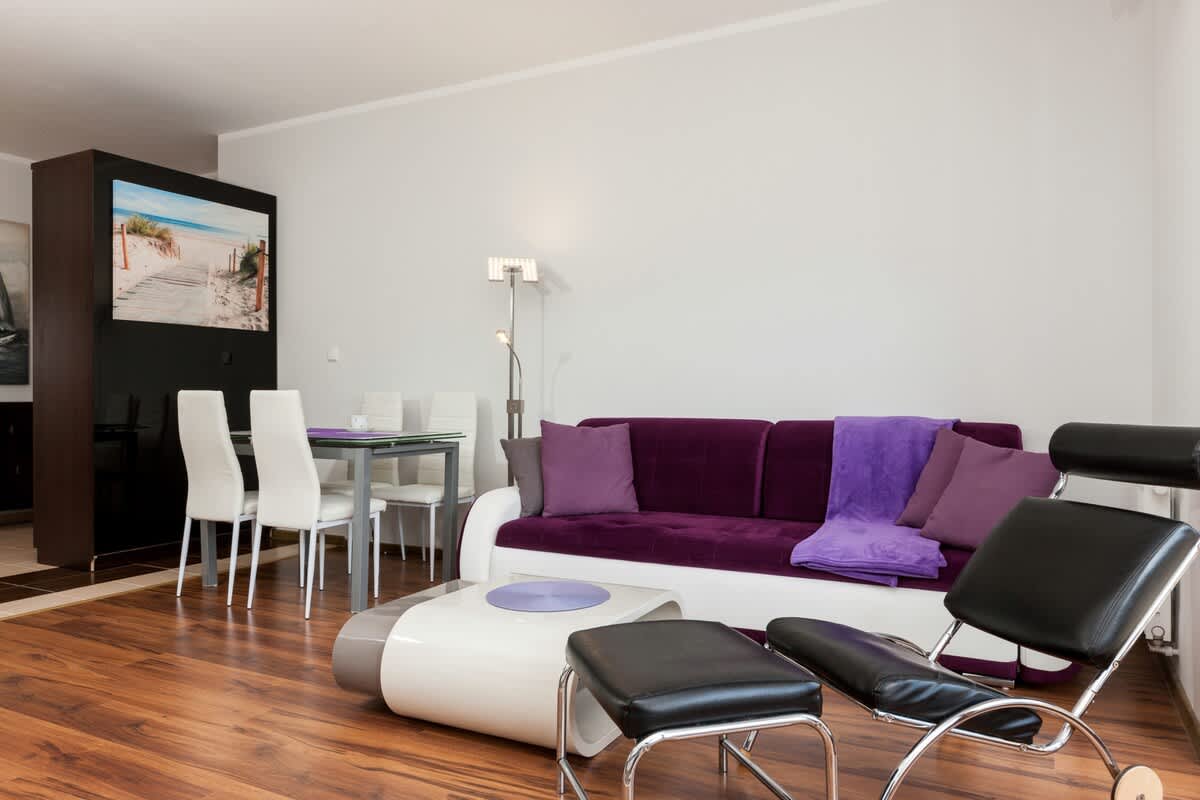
[[547, 596]]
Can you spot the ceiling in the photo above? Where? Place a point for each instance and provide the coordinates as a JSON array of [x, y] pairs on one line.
[[158, 80]]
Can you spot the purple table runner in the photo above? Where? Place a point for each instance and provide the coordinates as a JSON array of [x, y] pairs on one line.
[[349, 435]]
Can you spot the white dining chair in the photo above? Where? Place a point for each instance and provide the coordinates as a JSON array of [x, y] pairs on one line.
[[450, 411], [289, 491], [384, 412], [216, 492]]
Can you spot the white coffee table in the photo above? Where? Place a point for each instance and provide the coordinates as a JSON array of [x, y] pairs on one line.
[[460, 661]]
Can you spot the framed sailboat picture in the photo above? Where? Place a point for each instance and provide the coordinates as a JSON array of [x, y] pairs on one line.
[[14, 303]]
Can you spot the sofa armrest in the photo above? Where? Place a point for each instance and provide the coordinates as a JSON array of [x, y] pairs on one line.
[[488, 513]]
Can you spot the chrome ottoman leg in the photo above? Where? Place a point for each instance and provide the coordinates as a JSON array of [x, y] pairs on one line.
[[566, 688]]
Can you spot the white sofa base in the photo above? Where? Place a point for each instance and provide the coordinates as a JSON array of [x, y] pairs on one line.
[[740, 599]]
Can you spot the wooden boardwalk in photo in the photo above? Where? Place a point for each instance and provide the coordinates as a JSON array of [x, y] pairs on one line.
[[176, 294]]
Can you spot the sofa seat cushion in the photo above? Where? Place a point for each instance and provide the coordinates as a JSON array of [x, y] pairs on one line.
[[886, 676], [739, 544]]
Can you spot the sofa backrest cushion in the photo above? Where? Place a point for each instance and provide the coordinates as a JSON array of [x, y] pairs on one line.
[[800, 460], [696, 466], [796, 475]]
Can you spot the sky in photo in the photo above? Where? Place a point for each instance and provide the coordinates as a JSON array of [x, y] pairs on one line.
[[192, 212]]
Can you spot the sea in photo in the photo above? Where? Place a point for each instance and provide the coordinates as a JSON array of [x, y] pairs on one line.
[[187, 261]]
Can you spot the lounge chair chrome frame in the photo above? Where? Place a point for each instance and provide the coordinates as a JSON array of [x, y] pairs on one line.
[[1072, 718], [1136, 782], [725, 748]]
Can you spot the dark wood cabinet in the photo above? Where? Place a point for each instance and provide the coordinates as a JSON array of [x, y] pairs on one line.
[[108, 473], [16, 460]]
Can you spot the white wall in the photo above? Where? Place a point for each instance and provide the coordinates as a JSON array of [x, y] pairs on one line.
[[16, 205], [920, 206], [1177, 257]]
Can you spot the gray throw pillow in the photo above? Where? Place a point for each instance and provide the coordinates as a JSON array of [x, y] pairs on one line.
[[525, 458]]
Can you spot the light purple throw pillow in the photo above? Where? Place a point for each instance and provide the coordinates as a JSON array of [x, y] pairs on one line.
[[935, 477], [587, 470], [987, 483]]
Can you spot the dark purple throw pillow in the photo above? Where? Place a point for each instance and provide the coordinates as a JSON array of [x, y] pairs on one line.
[[935, 477], [586, 470], [987, 483]]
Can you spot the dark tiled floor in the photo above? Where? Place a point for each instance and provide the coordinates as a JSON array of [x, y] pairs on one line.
[[8, 593], [54, 580], [28, 584], [57, 579]]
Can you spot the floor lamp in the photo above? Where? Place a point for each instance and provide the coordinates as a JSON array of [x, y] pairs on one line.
[[499, 270]]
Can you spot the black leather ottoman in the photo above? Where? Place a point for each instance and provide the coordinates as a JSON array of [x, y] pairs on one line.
[[682, 679]]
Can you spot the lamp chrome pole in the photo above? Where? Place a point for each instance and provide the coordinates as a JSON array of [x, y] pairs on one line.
[[498, 268], [512, 353], [516, 404]]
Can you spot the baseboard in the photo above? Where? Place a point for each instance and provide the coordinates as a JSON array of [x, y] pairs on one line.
[[1191, 723]]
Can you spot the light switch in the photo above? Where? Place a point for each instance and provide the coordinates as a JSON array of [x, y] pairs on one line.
[[334, 354]]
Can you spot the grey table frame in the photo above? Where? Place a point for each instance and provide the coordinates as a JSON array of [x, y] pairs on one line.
[[360, 455]]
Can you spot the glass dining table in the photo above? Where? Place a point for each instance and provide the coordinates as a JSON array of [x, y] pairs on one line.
[[359, 448]]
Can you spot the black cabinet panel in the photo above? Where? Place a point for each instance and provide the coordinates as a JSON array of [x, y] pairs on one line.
[[127, 486], [16, 456], [139, 368]]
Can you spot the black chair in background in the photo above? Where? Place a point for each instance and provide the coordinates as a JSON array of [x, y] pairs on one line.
[[1074, 580]]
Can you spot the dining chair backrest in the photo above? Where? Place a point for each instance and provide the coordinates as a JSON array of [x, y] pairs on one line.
[[452, 411], [215, 488], [289, 491], [385, 412]]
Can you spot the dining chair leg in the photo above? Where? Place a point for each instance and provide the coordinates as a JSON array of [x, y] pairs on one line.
[[187, 534], [400, 525], [302, 560], [349, 548], [233, 555], [255, 543], [312, 562], [432, 539], [375, 523], [321, 551]]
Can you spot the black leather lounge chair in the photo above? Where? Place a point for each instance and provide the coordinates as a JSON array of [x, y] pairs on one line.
[[681, 679], [1074, 580]]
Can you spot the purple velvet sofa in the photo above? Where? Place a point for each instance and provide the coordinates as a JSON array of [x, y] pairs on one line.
[[722, 494], [723, 502]]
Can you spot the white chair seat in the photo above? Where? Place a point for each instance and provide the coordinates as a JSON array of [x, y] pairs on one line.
[[250, 504], [339, 487], [423, 494], [341, 506]]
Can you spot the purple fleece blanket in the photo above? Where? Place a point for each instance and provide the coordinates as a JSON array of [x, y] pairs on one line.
[[876, 463]]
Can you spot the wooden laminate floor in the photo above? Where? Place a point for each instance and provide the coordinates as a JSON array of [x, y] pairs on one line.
[[146, 696]]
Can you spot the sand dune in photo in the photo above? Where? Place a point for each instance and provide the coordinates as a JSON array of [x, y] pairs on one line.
[[194, 288], [185, 260]]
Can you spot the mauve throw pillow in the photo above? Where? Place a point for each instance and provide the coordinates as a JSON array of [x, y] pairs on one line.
[[587, 470], [525, 460], [935, 477], [987, 483]]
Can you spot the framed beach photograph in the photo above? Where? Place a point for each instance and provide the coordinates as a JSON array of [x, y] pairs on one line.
[[14, 303], [184, 260]]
